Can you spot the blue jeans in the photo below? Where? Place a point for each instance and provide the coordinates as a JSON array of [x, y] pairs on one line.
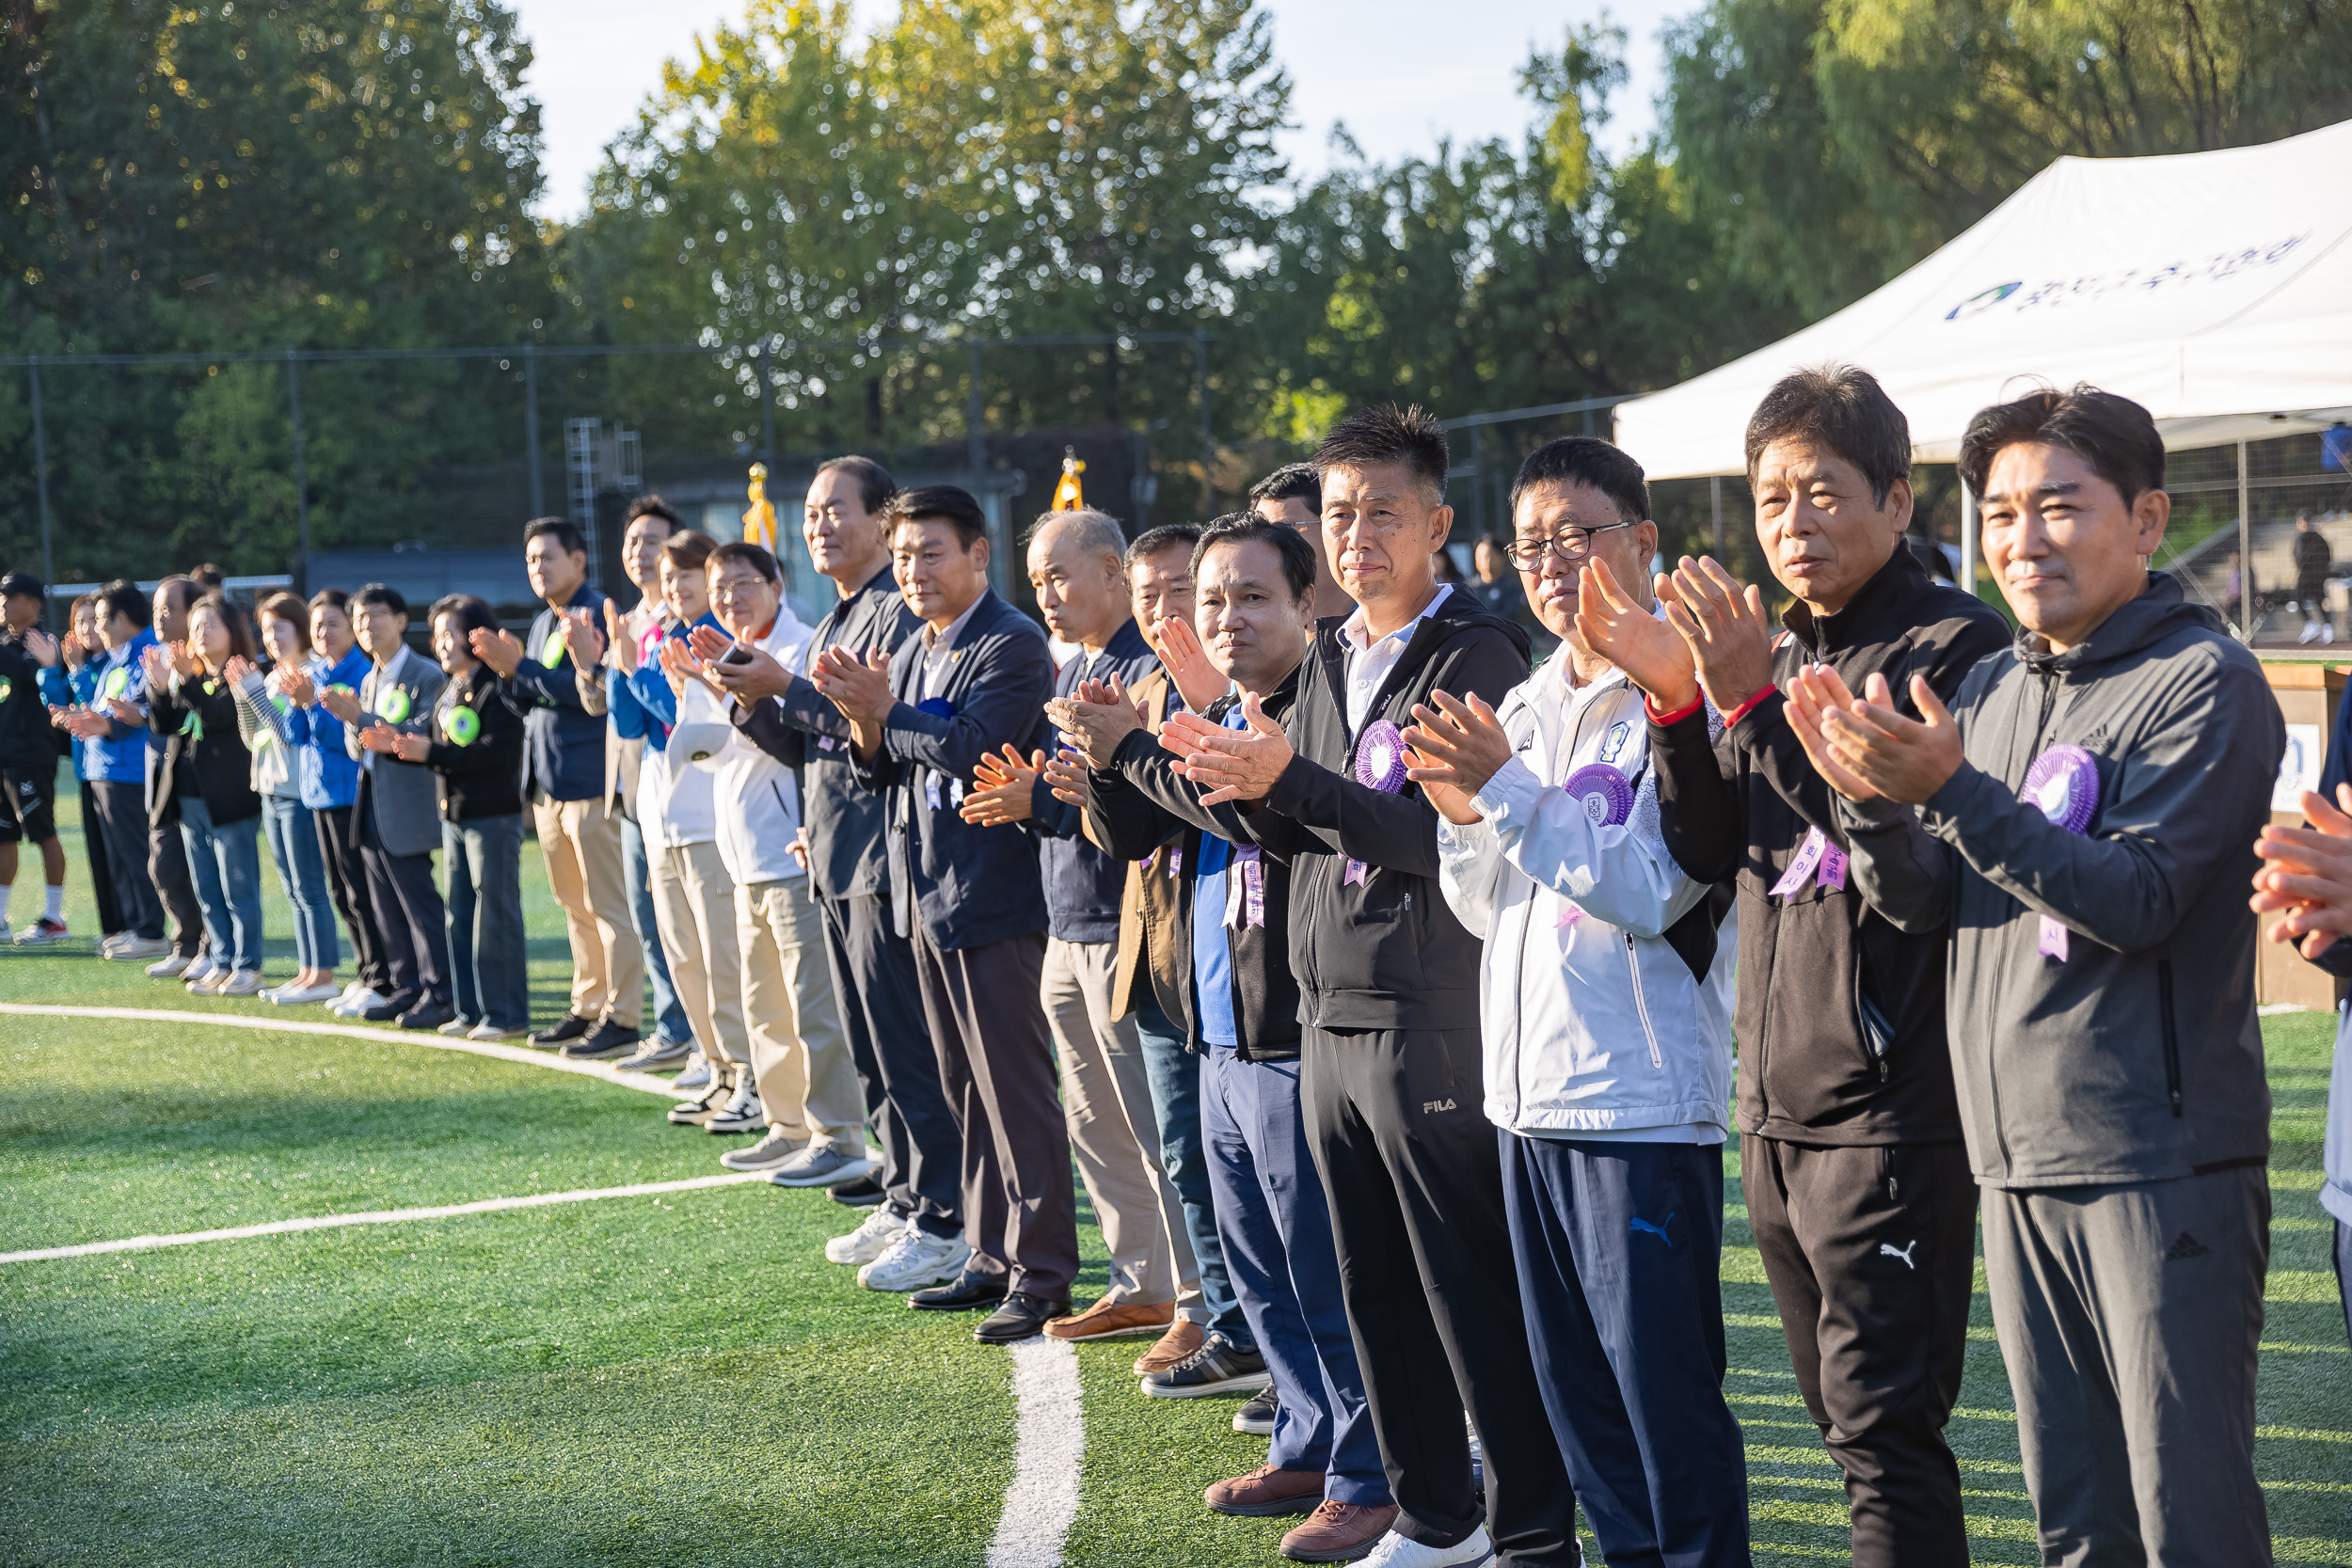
[[1276, 1225], [294, 844], [226, 864], [1174, 1073], [669, 1013], [489, 977]]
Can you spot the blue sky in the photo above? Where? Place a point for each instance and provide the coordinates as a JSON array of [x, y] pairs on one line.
[[1350, 62]]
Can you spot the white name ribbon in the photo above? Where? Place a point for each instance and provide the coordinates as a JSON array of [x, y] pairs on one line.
[[1245, 889]]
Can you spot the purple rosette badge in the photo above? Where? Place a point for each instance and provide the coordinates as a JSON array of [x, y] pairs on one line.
[[1602, 791], [2063, 785], [1379, 765]]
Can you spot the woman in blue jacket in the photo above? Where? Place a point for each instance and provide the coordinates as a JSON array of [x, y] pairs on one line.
[[330, 783]]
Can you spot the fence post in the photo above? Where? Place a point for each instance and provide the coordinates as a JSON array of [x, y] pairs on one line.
[[41, 473], [302, 474], [531, 427], [2245, 549], [1208, 442], [1715, 501], [1967, 539]]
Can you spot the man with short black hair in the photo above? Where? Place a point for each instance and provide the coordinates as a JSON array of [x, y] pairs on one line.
[[2082, 817], [1293, 496], [972, 900], [28, 756], [1388, 990], [564, 780], [1856, 1184], [114, 761]]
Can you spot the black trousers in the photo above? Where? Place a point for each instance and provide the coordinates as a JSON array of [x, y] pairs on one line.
[[414, 923], [1414, 1178], [347, 876], [890, 1044], [168, 864], [101, 869], [1870, 1253], [122, 822], [997, 1069]]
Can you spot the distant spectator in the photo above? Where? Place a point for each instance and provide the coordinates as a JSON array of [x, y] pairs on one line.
[[1498, 584], [263, 718], [2312, 559], [207, 773], [28, 753], [208, 578]]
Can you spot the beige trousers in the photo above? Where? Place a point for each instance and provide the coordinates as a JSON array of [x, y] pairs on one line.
[[583, 844], [800, 1055], [1107, 1103], [693, 904]]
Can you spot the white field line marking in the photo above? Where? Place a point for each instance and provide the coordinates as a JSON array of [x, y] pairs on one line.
[[382, 1216], [1043, 1500], [502, 1051]]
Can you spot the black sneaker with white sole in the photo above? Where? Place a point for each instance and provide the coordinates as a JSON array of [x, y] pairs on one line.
[[862, 1193], [1217, 1368], [606, 1041], [1256, 1415]]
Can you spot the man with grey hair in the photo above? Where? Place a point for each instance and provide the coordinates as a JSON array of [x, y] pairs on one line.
[[1077, 567]]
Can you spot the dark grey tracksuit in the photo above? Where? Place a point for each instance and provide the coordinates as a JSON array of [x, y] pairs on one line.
[[2113, 1102]]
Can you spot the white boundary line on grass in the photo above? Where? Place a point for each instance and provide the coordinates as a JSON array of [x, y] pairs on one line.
[[381, 1216], [504, 1053], [1050, 1441]]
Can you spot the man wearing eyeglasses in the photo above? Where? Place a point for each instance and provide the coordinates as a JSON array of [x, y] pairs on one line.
[[1605, 1007], [1858, 1189]]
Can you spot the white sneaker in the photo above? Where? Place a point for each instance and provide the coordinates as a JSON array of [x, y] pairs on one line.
[[209, 983], [201, 968], [352, 1006], [1397, 1551], [292, 996], [769, 1152], [171, 967], [244, 982], [916, 1258], [130, 947], [742, 1113], [697, 1073], [868, 1242]]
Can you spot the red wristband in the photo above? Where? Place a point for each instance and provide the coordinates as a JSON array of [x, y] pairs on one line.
[[1678, 714], [1747, 707]]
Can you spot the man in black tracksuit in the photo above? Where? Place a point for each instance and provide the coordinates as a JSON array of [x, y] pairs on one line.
[[1391, 1052], [1858, 1189]]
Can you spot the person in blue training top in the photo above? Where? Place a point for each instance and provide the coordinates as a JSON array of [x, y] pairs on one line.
[[564, 780], [113, 761], [330, 787], [1075, 569], [69, 675]]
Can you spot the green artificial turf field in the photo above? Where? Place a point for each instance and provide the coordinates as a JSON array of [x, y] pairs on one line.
[[680, 1377]]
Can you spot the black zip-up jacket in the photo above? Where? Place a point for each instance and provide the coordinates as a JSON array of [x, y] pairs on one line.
[[1840, 1015], [27, 742], [213, 749], [1138, 806], [1382, 952], [480, 778]]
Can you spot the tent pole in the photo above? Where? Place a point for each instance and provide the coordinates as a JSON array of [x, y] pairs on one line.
[[2245, 552], [1715, 500], [1967, 539]]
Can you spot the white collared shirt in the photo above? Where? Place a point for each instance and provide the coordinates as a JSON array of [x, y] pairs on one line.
[[1370, 659], [939, 645]]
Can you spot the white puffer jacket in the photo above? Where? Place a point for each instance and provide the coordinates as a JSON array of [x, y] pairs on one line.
[[1594, 1023], [757, 799]]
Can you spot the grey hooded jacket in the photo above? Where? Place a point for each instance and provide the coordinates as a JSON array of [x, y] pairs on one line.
[[2137, 1058]]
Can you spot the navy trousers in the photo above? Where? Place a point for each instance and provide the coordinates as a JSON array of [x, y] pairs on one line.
[[1175, 1074], [890, 1045], [1619, 1247], [1274, 1226]]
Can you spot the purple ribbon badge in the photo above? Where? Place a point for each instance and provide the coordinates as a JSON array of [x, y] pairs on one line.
[[2063, 785], [1379, 765], [1602, 791], [1817, 859], [1244, 888]]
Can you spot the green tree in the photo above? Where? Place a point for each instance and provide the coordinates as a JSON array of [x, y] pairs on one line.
[[275, 173]]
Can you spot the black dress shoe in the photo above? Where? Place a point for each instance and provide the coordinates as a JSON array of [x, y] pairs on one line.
[[390, 1010], [427, 1014], [1022, 1316], [864, 1193], [606, 1039], [969, 1290], [571, 1026]]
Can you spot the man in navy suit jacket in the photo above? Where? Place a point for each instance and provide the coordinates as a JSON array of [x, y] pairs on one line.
[[973, 681]]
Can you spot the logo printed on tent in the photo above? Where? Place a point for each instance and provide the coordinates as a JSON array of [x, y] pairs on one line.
[[2218, 267]]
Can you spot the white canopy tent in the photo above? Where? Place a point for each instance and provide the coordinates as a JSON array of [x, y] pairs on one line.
[[2215, 288]]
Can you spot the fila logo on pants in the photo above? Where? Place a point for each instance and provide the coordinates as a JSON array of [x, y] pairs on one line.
[[1430, 1107]]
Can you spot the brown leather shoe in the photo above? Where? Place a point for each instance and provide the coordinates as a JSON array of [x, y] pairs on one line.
[[1267, 1490], [1113, 1319], [1338, 1533], [1182, 1338]]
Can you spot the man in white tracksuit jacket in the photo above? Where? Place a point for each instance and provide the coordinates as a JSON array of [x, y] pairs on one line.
[[1606, 1008]]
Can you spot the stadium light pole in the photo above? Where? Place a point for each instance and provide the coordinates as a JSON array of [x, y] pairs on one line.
[[41, 473]]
